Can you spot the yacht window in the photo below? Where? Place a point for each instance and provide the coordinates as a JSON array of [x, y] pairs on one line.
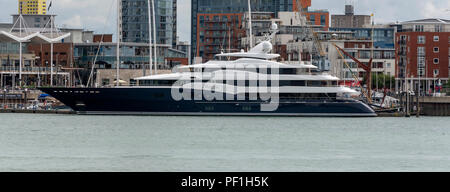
[[288, 71], [209, 108], [156, 82], [314, 83], [246, 108], [293, 83], [308, 96], [285, 83], [298, 83]]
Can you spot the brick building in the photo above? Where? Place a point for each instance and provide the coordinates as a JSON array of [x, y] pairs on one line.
[[218, 32], [218, 25], [62, 54], [422, 52], [209, 16]]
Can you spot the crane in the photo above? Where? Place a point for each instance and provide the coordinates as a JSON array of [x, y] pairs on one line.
[[366, 67], [309, 32]]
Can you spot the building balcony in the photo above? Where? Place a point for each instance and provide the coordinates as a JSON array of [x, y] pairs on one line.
[[401, 41], [216, 36], [28, 70], [222, 28], [401, 52], [218, 21]]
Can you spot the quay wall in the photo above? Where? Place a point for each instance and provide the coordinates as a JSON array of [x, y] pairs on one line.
[[432, 106]]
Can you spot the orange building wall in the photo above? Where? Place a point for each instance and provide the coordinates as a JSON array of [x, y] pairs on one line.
[[305, 4], [235, 29], [183, 61], [106, 38], [317, 20]]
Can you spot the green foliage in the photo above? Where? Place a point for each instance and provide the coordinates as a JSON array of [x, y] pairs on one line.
[[448, 84], [382, 79]]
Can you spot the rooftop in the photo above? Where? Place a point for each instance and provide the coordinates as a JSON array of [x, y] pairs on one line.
[[430, 20]]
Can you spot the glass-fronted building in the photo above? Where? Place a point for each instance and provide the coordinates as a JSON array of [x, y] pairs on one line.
[[220, 12], [135, 21], [132, 55], [383, 37]]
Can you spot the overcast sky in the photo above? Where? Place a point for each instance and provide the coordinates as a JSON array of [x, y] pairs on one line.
[[99, 15]]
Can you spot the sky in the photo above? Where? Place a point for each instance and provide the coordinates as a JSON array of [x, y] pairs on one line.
[[100, 15]]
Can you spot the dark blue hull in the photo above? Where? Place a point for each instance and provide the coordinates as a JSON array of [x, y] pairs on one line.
[[158, 101]]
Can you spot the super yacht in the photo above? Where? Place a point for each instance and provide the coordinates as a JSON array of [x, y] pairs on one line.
[[249, 83]]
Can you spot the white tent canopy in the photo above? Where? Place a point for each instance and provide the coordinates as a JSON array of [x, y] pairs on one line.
[[36, 37]]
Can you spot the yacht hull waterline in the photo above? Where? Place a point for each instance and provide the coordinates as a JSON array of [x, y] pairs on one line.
[[158, 101]]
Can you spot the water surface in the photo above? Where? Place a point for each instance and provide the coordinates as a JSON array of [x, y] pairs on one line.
[[35, 142]]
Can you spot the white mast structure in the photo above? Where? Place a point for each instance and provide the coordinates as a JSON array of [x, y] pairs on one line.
[[250, 24], [51, 50], [20, 52], [154, 37], [118, 44], [150, 55]]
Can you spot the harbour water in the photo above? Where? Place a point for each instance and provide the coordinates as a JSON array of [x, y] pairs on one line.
[[51, 142]]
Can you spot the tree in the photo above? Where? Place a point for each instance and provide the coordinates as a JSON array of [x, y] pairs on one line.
[[384, 81], [448, 84]]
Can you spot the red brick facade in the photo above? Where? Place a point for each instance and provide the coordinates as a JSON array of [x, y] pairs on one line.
[[407, 56], [218, 31], [175, 61], [106, 38], [62, 54]]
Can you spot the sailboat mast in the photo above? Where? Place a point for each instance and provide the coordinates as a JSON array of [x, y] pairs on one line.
[[154, 37], [118, 45], [250, 24], [150, 55], [51, 50]]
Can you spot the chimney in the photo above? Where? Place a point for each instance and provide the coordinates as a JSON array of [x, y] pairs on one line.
[[349, 10]]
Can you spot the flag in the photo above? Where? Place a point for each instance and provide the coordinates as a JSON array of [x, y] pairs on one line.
[[372, 15], [50, 5]]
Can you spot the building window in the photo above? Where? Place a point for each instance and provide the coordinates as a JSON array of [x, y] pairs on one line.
[[436, 60], [436, 38], [323, 20], [421, 39], [421, 72], [436, 49], [421, 62], [436, 72], [418, 28], [313, 19], [420, 51]]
